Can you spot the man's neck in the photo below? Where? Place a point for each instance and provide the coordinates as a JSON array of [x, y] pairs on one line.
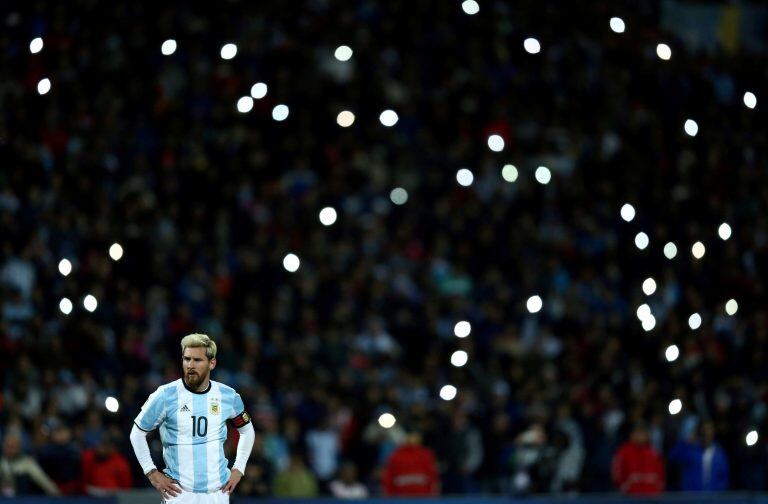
[[203, 386]]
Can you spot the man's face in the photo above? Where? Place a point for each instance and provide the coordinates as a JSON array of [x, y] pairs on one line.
[[196, 366]]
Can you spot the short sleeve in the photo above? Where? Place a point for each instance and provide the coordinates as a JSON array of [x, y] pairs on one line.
[[152, 412]]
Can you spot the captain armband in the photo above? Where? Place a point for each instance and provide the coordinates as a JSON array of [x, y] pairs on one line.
[[241, 420]]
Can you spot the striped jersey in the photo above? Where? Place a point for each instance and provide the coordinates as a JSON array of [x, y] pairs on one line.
[[193, 430]]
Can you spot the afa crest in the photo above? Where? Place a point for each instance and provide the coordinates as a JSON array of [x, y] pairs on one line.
[[215, 409]]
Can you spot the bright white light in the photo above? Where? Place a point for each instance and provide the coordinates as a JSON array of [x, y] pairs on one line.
[[470, 7], [724, 231], [649, 286], [111, 404], [643, 311], [617, 25], [731, 307], [462, 329], [464, 177], [37, 45], [459, 358], [698, 250], [641, 240], [327, 216], [280, 112], [509, 173], [663, 51], [649, 323], [388, 118], [65, 267], [387, 420], [750, 100], [44, 86], [65, 305], [116, 251], [258, 91], [543, 175], [670, 250], [448, 392], [627, 212], [398, 196], [694, 321], [291, 263], [672, 353], [531, 45], [751, 438], [345, 119], [534, 304], [691, 128], [675, 406], [168, 47], [496, 143], [90, 303], [228, 51], [343, 53], [245, 104]]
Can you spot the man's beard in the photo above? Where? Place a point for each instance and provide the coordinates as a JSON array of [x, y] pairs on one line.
[[194, 380]]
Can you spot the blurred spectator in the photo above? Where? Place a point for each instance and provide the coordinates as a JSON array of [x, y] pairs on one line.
[[464, 455], [20, 474], [296, 481], [324, 446], [411, 470], [61, 459], [257, 480], [702, 463], [637, 467], [346, 486], [105, 469]]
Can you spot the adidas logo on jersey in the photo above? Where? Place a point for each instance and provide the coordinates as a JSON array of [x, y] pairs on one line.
[[184, 409]]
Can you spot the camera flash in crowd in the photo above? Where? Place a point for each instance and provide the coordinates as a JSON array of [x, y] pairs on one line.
[[387, 420], [448, 392], [462, 329], [65, 267]]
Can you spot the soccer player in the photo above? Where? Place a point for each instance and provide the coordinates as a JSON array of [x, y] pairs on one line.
[[192, 413]]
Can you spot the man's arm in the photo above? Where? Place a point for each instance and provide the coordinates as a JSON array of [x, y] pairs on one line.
[[244, 447], [165, 485]]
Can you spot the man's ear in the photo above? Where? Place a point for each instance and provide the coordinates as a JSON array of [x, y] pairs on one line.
[[213, 363]]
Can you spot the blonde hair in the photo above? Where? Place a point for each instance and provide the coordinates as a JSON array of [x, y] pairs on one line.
[[197, 340]]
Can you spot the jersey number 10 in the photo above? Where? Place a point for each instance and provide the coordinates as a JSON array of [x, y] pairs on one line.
[[199, 426]]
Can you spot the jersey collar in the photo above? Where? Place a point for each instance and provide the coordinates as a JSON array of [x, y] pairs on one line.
[[195, 391]]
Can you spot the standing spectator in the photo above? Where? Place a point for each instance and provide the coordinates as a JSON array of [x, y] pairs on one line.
[[105, 469], [411, 470], [346, 485], [18, 471], [61, 459], [637, 466], [296, 481], [703, 463], [323, 446], [464, 456]]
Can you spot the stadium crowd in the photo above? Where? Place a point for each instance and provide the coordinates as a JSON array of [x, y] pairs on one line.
[[148, 150]]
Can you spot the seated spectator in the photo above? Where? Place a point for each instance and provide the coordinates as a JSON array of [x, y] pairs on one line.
[[18, 471], [105, 469], [637, 466], [411, 470], [296, 481], [346, 485], [702, 462]]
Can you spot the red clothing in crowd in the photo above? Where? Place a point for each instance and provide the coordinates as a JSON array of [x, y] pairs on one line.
[[638, 469], [106, 472], [411, 470]]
